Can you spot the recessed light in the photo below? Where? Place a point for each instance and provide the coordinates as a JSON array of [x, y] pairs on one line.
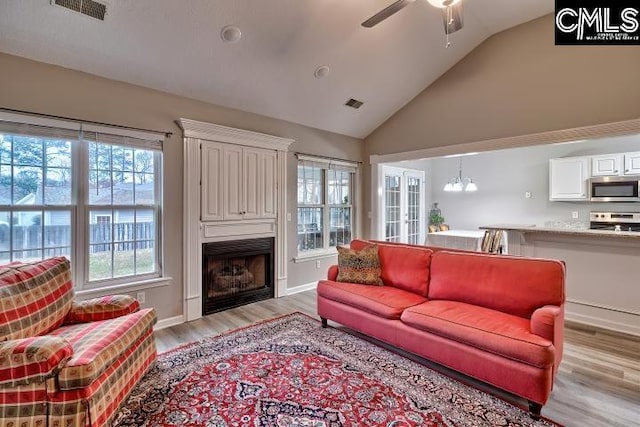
[[230, 34], [321, 71]]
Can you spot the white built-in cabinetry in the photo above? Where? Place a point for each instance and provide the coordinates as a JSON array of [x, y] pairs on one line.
[[606, 165], [237, 182], [616, 164], [632, 163], [568, 178], [234, 188]]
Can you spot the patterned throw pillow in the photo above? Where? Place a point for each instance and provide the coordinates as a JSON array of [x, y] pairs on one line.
[[361, 266]]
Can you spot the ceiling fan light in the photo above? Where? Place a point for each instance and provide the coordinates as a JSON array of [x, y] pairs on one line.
[[443, 3]]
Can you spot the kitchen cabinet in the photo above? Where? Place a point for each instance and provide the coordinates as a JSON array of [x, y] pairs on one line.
[[606, 165], [568, 178], [237, 182], [632, 163]]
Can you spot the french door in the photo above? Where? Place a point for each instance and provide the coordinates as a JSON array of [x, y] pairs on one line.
[[403, 218]]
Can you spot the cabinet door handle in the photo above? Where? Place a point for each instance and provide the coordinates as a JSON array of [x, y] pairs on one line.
[[615, 171]]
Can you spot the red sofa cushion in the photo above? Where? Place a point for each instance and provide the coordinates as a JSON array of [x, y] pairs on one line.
[[499, 333], [403, 266], [511, 285], [384, 301]]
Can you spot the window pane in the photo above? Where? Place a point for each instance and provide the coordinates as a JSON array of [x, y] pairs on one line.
[[27, 180], [340, 224], [57, 190], [23, 234], [125, 179], [309, 185], [122, 188], [339, 183], [310, 234], [57, 232], [5, 231], [145, 257], [27, 151], [100, 262], [122, 242]]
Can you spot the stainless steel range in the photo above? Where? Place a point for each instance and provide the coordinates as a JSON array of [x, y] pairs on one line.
[[615, 221]]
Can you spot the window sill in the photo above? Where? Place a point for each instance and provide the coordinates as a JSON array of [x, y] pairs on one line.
[[126, 287], [316, 255]]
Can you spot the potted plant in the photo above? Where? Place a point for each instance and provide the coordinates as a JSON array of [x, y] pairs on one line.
[[436, 219], [435, 215]]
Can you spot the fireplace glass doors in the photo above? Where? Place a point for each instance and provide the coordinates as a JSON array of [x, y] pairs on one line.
[[235, 273]]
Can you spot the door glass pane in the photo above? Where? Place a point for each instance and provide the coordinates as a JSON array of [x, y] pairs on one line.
[[392, 208], [413, 210]]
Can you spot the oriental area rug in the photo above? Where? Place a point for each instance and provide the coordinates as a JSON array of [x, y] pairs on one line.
[[289, 372]]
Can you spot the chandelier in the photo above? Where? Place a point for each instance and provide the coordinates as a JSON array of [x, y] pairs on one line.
[[459, 183]]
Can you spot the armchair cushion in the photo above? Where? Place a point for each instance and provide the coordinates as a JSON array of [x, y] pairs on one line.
[[34, 297], [32, 360], [102, 308], [97, 345]]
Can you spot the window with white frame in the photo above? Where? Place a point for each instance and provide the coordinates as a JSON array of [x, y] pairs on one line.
[[90, 193], [325, 204]]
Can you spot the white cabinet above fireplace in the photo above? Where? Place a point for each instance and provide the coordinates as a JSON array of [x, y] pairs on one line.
[[237, 182], [234, 189]]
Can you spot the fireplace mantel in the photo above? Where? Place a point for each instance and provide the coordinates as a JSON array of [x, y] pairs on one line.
[[196, 231]]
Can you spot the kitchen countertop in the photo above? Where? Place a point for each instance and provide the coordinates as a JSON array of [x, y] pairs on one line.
[[567, 231]]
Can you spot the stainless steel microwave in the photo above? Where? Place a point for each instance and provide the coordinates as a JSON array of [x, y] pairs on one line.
[[615, 189]]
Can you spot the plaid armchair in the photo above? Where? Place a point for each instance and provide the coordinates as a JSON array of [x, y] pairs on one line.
[[65, 363]]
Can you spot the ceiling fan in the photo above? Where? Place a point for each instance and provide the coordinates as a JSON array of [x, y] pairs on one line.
[[451, 9]]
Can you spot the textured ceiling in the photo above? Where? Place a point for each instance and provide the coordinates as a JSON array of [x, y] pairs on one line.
[[175, 46]]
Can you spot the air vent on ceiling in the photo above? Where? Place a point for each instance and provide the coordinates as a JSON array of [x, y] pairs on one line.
[[354, 103], [86, 7]]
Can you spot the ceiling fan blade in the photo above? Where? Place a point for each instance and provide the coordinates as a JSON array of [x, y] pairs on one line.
[[386, 12], [452, 18]]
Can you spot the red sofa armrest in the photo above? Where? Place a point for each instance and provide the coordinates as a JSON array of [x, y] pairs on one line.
[[32, 360], [548, 322], [332, 274], [102, 308]]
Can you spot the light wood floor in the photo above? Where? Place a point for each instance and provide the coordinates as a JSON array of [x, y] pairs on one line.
[[598, 383]]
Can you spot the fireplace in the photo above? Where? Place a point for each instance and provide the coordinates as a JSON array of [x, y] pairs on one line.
[[236, 272]]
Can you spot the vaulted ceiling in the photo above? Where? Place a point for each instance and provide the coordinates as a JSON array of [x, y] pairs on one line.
[[175, 46]]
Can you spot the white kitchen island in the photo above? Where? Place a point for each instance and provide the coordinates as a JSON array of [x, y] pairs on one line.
[[603, 270], [470, 240]]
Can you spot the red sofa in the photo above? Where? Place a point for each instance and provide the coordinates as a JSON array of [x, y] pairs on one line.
[[496, 318]]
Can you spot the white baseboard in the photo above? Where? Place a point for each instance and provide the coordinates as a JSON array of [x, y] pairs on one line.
[[603, 323], [302, 288], [169, 321]]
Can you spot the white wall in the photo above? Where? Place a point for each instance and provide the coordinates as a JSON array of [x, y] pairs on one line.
[[504, 176]]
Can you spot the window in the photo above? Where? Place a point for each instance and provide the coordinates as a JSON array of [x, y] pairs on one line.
[[325, 205], [84, 193]]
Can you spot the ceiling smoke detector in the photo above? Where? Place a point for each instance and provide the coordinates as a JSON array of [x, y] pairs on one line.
[[230, 34], [321, 71], [354, 103], [89, 8]]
